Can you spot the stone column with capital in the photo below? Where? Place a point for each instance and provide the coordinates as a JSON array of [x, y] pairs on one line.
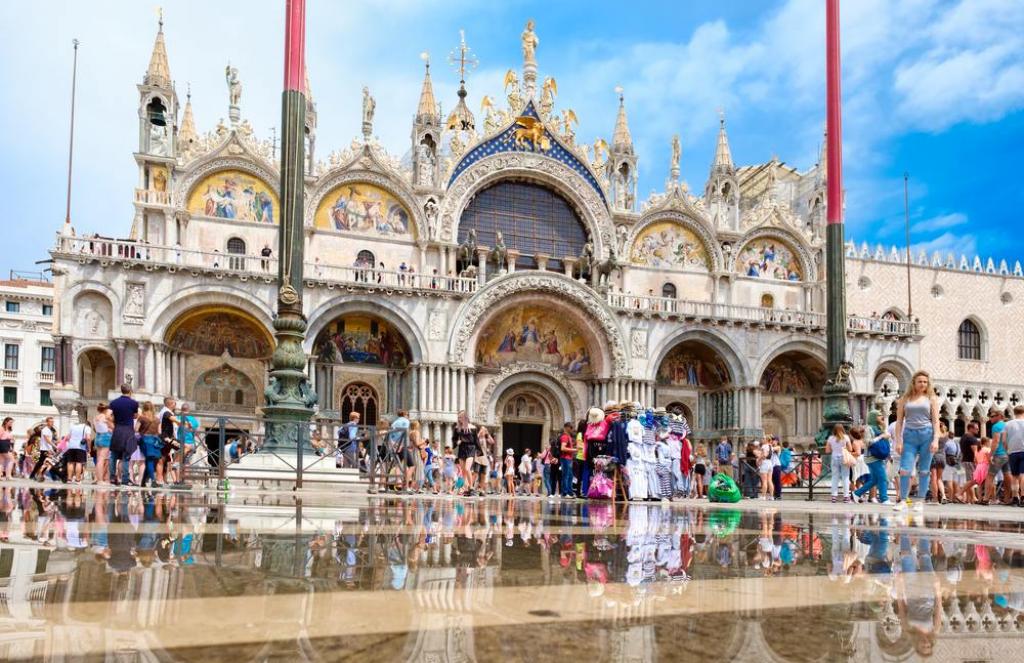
[[289, 397], [120, 362], [542, 261], [570, 265], [481, 264], [142, 347], [513, 255]]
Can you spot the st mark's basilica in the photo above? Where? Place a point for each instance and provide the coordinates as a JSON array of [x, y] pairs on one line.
[[506, 267]]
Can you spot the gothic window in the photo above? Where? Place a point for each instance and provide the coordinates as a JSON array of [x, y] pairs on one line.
[[969, 346], [532, 220], [668, 290], [156, 112], [359, 397]]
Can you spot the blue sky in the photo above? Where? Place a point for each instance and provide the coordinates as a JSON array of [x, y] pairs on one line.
[[935, 88]]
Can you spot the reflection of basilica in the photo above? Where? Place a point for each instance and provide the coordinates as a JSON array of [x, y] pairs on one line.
[[442, 581], [498, 260]]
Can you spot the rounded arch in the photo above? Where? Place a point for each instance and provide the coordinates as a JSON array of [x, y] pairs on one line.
[[467, 319], [389, 184], [69, 316], [899, 367], [699, 227], [208, 295], [94, 315], [537, 168], [811, 346], [95, 372], [382, 308], [214, 330], [225, 388], [237, 192], [515, 375], [784, 236], [722, 344]]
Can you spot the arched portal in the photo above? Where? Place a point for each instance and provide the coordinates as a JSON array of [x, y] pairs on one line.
[[791, 401], [363, 349], [97, 374], [527, 416], [217, 357], [695, 377]]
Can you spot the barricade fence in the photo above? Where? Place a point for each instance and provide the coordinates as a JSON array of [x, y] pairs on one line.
[[322, 445]]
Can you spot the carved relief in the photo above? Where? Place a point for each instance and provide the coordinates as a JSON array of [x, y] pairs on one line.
[[134, 303], [502, 288], [638, 343], [436, 325]]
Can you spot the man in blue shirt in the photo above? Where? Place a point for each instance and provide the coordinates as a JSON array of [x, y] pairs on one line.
[[723, 454], [348, 438], [122, 443], [999, 454]]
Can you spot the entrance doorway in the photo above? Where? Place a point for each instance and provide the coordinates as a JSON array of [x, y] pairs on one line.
[[520, 436]]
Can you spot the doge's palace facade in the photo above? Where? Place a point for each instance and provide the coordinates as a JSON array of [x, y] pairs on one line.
[[503, 267]]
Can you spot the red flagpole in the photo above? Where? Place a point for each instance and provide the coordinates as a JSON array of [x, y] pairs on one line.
[[834, 113]]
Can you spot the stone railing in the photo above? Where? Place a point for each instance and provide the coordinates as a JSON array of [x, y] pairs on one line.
[[151, 197], [682, 308], [254, 266], [10, 374], [45, 377], [369, 277], [873, 326]]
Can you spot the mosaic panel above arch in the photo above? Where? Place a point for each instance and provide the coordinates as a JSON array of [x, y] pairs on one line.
[[219, 330], [793, 372], [364, 208], [359, 338], [693, 364], [769, 257], [236, 195], [534, 334], [669, 245]]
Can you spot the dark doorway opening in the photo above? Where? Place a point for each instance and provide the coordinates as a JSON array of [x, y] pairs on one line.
[[521, 437]]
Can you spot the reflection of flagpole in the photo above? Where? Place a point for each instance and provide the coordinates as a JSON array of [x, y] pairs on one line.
[[71, 138]]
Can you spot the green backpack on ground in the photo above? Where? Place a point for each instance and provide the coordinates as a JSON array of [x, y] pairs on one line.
[[723, 489]]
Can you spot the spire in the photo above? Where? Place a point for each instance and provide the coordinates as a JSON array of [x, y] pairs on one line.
[[723, 155], [428, 105], [159, 72], [463, 59], [822, 169], [187, 133], [621, 138]]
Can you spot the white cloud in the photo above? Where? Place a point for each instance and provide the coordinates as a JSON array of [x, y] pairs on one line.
[[942, 222], [949, 243]]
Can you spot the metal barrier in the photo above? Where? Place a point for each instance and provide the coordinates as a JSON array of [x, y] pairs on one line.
[[221, 440]]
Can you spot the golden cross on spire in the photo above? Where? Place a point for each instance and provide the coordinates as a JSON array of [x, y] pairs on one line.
[[462, 58], [160, 16]]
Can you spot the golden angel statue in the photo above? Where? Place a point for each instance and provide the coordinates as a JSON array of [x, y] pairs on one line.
[[569, 120], [547, 96], [515, 99]]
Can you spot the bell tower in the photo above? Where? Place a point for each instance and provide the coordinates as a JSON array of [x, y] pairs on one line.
[[158, 134], [426, 135], [621, 166], [722, 191]]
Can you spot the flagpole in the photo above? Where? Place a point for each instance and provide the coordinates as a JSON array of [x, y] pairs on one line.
[[71, 138], [906, 224]]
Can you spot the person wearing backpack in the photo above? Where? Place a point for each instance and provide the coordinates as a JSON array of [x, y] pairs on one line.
[[876, 457], [950, 474]]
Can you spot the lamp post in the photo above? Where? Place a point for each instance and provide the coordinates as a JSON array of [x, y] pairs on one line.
[[290, 398], [837, 388]]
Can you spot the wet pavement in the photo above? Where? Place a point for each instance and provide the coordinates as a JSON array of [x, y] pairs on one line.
[[95, 575]]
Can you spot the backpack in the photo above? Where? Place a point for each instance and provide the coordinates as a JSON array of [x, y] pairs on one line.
[[880, 449], [952, 452]]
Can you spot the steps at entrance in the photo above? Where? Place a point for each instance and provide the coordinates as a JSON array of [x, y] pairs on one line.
[[269, 467]]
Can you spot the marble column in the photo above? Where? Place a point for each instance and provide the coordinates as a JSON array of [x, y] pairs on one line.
[[570, 265], [142, 347], [471, 392], [158, 378], [481, 265], [120, 363], [513, 255], [421, 387], [460, 400], [542, 261], [58, 360]]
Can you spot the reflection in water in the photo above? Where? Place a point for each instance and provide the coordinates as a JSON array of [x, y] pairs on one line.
[[650, 581]]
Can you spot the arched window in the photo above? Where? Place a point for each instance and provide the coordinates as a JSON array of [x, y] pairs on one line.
[[767, 301], [359, 397], [236, 249], [365, 259], [969, 346], [668, 290], [532, 219]]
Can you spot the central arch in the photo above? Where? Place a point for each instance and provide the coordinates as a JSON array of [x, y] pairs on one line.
[[790, 381], [568, 294], [562, 398]]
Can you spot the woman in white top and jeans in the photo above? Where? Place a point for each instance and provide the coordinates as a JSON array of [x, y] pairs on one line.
[[838, 442], [917, 436]]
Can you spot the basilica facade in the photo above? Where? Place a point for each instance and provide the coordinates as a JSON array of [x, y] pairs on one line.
[[506, 268]]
